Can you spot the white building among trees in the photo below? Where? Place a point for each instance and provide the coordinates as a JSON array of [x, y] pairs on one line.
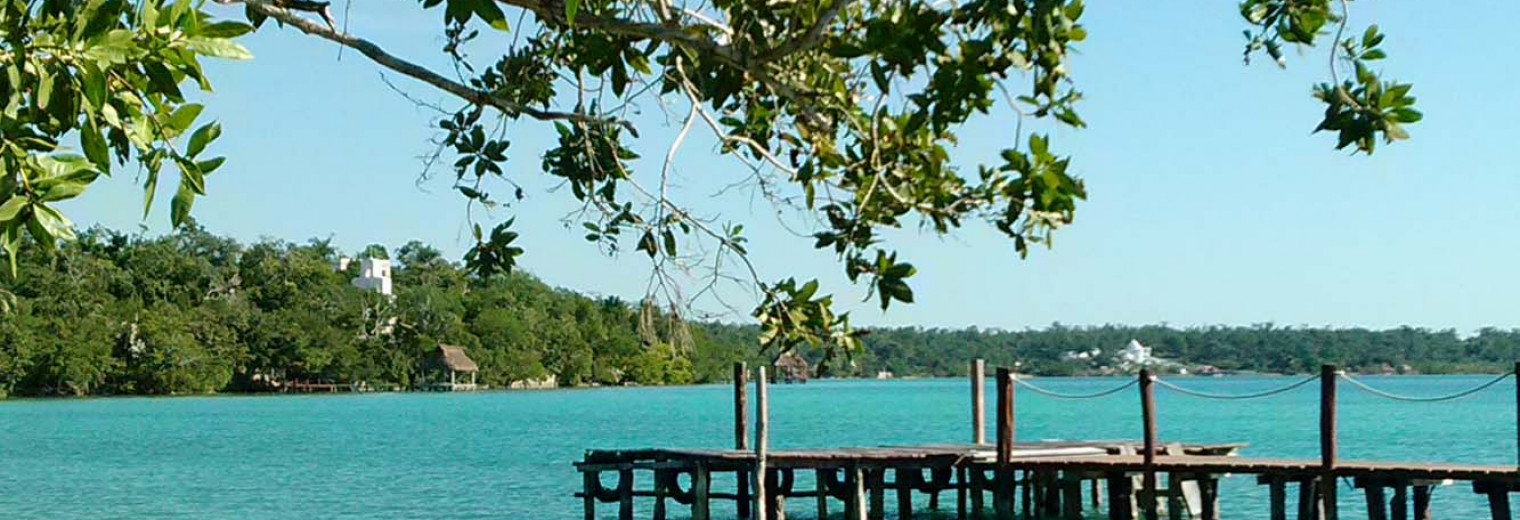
[[374, 275]]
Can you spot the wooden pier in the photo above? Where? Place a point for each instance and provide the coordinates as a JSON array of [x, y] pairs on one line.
[[1126, 480]]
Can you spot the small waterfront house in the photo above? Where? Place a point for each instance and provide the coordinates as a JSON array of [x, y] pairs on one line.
[[455, 363], [790, 368]]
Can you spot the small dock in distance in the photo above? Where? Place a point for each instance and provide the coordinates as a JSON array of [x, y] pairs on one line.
[[1010, 480]]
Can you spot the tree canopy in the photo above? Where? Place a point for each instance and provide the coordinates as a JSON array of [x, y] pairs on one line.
[[193, 312], [844, 110]]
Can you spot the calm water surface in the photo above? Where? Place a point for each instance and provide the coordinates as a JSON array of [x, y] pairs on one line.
[[507, 455]]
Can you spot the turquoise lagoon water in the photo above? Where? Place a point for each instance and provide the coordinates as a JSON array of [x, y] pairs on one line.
[[508, 454]]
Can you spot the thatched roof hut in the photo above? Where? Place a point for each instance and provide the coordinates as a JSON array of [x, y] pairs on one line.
[[790, 367], [452, 359]]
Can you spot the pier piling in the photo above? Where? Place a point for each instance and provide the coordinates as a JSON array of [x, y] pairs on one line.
[[741, 434], [1148, 415], [762, 442], [1029, 480], [979, 402], [1328, 442]]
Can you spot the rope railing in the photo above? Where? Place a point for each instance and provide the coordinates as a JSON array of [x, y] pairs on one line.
[[1236, 397], [1423, 399], [1328, 468], [1060, 395]]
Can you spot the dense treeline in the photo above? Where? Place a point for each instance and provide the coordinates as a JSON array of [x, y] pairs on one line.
[[192, 312], [1261, 348]]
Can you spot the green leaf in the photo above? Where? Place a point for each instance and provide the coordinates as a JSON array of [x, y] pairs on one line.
[[179, 207], [487, 10], [1370, 38], [571, 6], [217, 48], [115, 47], [51, 220], [648, 245], [44, 92], [150, 187], [209, 166], [94, 144], [183, 117], [1407, 115], [191, 176], [225, 29], [670, 243], [62, 191], [94, 86], [202, 137], [13, 207], [255, 18], [12, 239], [63, 166]]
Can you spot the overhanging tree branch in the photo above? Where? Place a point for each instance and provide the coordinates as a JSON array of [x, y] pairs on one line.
[[385, 59]]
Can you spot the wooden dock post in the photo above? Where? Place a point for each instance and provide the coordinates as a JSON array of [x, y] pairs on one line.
[[1498, 498], [876, 481], [905, 478], [978, 483], [1377, 505], [855, 493], [963, 478], [1279, 499], [762, 442], [1517, 412], [1328, 443], [1399, 505], [1003, 490], [701, 484], [625, 493], [1422, 502], [741, 432], [1148, 414], [592, 482], [979, 401], [821, 478]]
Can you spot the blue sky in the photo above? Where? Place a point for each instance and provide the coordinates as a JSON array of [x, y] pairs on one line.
[[1210, 201]]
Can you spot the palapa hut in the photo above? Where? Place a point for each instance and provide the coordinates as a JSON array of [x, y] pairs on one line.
[[790, 367], [453, 361]]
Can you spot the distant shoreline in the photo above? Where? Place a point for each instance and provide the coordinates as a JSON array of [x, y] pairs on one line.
[[232, 394]]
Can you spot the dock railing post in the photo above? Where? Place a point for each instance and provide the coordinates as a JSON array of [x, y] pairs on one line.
[[979, 402], [1148, 457], [1516, 375], [1327, 441], [1003, 491], [1005, 416], [762, 442], [741, 432]]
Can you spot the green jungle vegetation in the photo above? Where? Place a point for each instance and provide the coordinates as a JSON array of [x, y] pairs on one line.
[[191, 312], [848, 112]]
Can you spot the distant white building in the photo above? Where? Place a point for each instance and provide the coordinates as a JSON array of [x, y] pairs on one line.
[[1136, 354], [374, 275]]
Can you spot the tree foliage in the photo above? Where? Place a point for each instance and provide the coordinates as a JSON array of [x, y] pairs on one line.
[[844, 110], [192, 312], [1261, 348], [85, 84]]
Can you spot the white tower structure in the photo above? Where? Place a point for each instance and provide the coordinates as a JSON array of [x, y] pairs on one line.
[[374, 275]]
